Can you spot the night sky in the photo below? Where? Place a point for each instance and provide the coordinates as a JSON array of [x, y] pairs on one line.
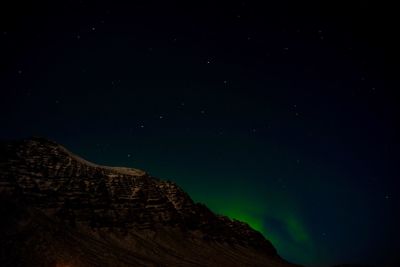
[[277, 114]]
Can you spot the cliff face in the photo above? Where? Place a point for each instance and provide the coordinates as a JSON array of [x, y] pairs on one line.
[[62, 210]]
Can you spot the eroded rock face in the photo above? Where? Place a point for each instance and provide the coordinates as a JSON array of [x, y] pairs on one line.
[[149, 219]]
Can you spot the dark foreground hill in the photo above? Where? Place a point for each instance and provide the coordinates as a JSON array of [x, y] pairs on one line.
[[60, 210]]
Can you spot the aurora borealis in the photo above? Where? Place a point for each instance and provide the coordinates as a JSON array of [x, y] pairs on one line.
[[276, 114]]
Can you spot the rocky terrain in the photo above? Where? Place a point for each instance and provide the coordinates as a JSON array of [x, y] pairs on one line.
[[60, 210]]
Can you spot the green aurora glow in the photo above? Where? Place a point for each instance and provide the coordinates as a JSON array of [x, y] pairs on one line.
[[288, 234]]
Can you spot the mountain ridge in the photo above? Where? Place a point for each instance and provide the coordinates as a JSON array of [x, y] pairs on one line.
[[162, 225]]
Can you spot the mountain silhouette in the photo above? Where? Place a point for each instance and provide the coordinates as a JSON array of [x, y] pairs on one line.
[[58, 209]]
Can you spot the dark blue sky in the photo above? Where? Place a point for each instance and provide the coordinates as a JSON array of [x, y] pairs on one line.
[[276, 114]]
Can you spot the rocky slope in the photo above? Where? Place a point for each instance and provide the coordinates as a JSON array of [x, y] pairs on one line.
[[60, 210]]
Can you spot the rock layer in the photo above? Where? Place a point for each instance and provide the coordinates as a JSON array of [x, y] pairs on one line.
[[62, 210]]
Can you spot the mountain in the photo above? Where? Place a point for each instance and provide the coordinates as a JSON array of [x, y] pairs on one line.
[[58, 209]]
